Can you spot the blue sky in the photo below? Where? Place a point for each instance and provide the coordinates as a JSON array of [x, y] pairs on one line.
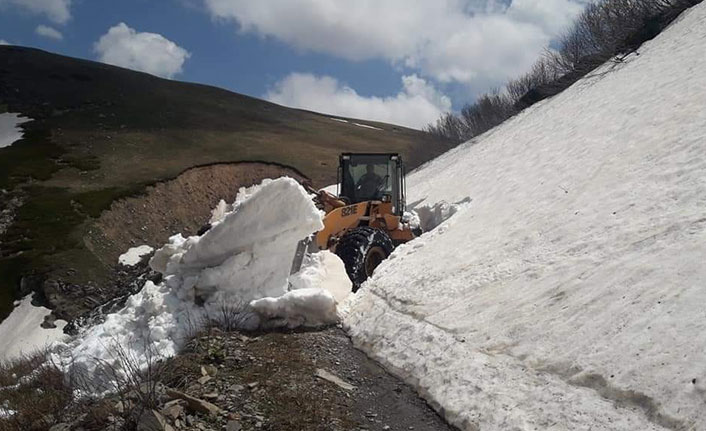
[[400, 61]]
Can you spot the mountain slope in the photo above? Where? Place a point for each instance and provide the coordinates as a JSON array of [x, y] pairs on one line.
[[102, 133], [115, 115], [568, 293]]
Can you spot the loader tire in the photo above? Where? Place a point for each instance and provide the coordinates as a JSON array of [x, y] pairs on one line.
[[361, 250]]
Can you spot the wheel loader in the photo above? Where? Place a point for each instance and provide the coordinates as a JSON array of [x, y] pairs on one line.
[[364, 221]]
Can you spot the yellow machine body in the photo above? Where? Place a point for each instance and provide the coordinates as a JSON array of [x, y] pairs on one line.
[[377, 214], [364, 222]]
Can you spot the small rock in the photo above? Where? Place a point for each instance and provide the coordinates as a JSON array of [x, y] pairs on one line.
[[152, 420], [122, 406], [211, 395], [204, 379], [253, 385], [323, 374], [193, 403], [234, 426], [236, 388], [209, 370], [174, 409], [60, 427]]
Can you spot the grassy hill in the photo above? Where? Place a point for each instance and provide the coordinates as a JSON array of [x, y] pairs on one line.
[[103, 133]]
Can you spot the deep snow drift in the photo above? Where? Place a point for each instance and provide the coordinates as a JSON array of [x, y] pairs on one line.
[[9, 128], [241, 265], [570, 292]]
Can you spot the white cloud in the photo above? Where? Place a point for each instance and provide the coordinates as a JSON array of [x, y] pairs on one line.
[[467, 41], [553, 16], [146, 52], [58, 11], [4, 42], [49, 32], [417, 105]]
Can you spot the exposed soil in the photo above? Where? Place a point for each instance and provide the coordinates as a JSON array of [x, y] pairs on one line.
[[181, 205]]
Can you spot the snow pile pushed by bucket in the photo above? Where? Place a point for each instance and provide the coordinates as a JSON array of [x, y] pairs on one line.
[[246, 256]]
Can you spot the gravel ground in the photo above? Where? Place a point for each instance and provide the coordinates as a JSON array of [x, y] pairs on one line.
[[283, 381]]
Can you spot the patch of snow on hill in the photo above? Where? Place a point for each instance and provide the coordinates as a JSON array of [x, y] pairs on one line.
[[10, 131], [134, 255], [570, 293], [367, 126], [21, 332], [244, 257]]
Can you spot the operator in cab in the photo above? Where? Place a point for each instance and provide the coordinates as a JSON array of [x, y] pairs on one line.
[[369, 185]]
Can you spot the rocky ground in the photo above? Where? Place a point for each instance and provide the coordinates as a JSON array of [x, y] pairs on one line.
[[303, 380]]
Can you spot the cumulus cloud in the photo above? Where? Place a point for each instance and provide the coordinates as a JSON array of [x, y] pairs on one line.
[[49, 32], [4, 42], [415, 106], [466, 41], [58, 11], [146, 52], [553, 16]]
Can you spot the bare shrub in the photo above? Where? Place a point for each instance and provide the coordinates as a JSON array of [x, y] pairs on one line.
[[230, 316], [609, 29], [35, 391], [136, 386]]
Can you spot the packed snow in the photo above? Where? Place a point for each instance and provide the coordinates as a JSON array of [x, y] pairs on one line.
[[429, 216], [238, 270], [10, 131], [323, 270], [21, 332], [134, 255], [568, 291], [367, 126], [316, 289], [311, 307]]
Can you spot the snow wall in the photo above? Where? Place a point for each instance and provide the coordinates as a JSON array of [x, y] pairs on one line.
[[240, 267], [570, 292]]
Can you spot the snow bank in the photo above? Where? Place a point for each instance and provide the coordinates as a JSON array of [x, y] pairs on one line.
[[245, 256], [10, 131], [429, 216], [134, 255], [301, 307], [323, 270], [21, 332], [570, 293], [320, 285]]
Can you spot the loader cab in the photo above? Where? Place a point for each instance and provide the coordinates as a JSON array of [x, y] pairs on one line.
[[372, 177]]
